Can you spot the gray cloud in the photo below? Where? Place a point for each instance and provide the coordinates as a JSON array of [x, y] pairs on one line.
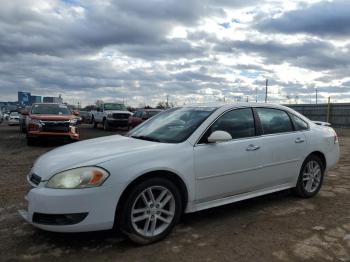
[[327, 18], [122, 49], [311, 54]]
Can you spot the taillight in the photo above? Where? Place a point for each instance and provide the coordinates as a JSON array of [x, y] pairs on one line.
[[335, 137]]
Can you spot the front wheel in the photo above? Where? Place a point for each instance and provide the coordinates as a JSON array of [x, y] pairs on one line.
[[94, 123], [106, 125], [151, 210], [310, 177]]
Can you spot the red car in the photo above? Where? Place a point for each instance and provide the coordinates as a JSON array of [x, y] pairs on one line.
[[51, 120], [142, 115]]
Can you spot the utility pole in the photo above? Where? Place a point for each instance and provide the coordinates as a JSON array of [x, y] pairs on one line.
[[267, 82], [247, 99], [256, 94], [328, 108], [167, 101], [316, 95]]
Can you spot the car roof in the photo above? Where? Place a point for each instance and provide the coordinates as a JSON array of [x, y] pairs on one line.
[[236, 105]]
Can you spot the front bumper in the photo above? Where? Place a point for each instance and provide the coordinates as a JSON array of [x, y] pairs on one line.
[[73, 134], [98, 204], [13, 122], [117, 122]]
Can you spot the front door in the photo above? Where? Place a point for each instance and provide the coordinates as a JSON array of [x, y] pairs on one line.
[[232, 167]]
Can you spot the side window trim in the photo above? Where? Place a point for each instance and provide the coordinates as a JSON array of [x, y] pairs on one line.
[[227, 111]]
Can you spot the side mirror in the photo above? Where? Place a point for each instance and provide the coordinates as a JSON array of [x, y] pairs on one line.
[[24, 113], [98, 109], [76, 113], [219, 136]]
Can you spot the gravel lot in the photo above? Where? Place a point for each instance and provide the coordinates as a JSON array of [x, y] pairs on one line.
[[277, 227]]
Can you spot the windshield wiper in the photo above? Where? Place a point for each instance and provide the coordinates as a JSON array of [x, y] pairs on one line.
[[147, 138]]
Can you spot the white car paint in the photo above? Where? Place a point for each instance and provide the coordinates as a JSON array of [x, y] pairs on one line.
[[104, 114], [214, 174], [13, 119]]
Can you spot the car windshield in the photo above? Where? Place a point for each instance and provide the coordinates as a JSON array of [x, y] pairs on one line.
[[14, 114], [111, 106], [47, 109], [172, 126]]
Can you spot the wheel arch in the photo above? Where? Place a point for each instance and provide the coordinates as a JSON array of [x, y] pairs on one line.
[[173, 177], [321, 156]]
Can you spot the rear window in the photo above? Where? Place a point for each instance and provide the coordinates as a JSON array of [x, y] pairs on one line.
[[274, 121]]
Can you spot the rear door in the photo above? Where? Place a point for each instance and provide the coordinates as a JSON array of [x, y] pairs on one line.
[[283, 147]]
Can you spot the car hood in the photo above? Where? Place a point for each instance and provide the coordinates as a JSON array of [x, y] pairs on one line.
[[53, 117], [89, 152]]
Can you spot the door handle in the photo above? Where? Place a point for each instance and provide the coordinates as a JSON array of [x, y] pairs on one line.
[[299, 140], [252, 148]]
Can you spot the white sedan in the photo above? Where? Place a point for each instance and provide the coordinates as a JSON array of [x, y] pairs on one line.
[[13, 118], [183, 160]]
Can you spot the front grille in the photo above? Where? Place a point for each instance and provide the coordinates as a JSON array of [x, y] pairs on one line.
[[120, 116], [58, 219], [35, 179], [55, 126]]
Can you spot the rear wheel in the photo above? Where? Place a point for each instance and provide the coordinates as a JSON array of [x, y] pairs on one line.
[[151, 210], [310, 177]]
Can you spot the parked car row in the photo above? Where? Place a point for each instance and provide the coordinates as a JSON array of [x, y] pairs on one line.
[[116, 115]]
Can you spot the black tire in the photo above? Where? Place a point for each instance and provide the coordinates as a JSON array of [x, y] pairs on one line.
[[105, 125], [300, 189], [124, 214], [94, 123], [31, 141]]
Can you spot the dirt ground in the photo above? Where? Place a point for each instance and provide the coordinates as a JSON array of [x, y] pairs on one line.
[[276, 227]]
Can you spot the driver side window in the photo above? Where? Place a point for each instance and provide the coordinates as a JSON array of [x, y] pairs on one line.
[[239, 123]]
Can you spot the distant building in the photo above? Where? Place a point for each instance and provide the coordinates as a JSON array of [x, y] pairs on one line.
[[35, 99], [24, 98], [51, 99]]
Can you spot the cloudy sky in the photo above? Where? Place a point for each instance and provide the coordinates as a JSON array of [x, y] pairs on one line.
[[191, 50]]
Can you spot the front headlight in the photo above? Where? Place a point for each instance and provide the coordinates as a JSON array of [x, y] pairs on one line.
[[73, 121], [82, 177]]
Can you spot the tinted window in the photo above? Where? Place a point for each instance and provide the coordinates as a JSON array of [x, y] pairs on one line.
[[239, 123], [274, 121], [299, 123]]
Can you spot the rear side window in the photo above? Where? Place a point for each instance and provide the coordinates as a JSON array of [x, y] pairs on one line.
[[239, 123], [299, 124], [274, 121]]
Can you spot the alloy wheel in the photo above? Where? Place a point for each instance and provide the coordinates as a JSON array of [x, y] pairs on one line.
[[153, 211], [312, 175]]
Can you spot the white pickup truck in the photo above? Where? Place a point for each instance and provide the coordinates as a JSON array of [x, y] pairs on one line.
[[110, 115]]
